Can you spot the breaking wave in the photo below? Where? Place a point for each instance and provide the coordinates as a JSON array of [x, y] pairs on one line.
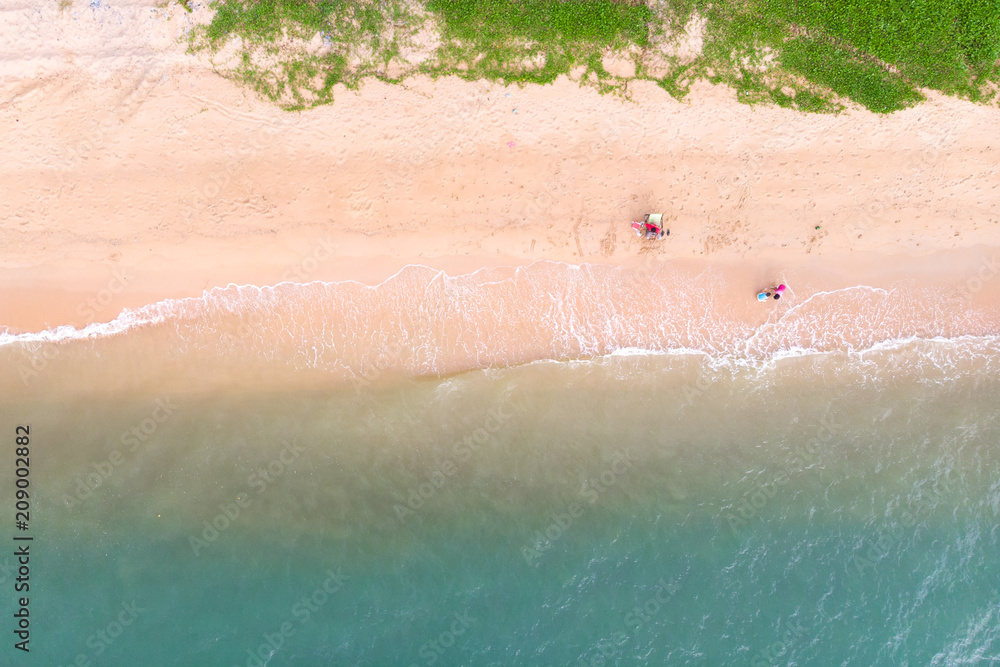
[[424, 322]]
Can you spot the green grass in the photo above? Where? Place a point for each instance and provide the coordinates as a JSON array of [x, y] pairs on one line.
[[494, 39], [810, 55], [273, 58], [935, 43], [843, 71], [489, 23], [850, 47], [677, 81]]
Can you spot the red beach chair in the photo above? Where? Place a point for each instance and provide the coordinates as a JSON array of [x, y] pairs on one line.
[[651, 226]]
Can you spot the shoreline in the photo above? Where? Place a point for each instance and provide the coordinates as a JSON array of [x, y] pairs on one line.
[[420, 325], [37, 300]]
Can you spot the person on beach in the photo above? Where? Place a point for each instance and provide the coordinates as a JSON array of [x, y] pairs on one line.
[[775, 292]]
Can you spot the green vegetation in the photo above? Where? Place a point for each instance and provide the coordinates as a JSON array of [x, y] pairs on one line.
[[535, 40], [294, 52], [874, 52], [846, 73], [811, 55]]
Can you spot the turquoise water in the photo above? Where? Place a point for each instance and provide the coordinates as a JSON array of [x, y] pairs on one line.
[[625, 509], [778, 517]]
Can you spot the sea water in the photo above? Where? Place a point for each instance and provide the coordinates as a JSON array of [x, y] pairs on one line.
[[517, 469]]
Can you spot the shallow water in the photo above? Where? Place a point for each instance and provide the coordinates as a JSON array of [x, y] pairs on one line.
[[720, 496]]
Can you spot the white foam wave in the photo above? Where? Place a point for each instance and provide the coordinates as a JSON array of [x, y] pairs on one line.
[[125, 322], [554, 310]]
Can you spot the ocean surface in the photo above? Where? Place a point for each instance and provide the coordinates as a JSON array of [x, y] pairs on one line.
[[510, 468]]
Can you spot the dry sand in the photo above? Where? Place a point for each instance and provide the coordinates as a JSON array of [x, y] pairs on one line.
[[131, 170]]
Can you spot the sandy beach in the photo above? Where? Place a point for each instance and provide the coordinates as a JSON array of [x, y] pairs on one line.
[[132, 178]]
